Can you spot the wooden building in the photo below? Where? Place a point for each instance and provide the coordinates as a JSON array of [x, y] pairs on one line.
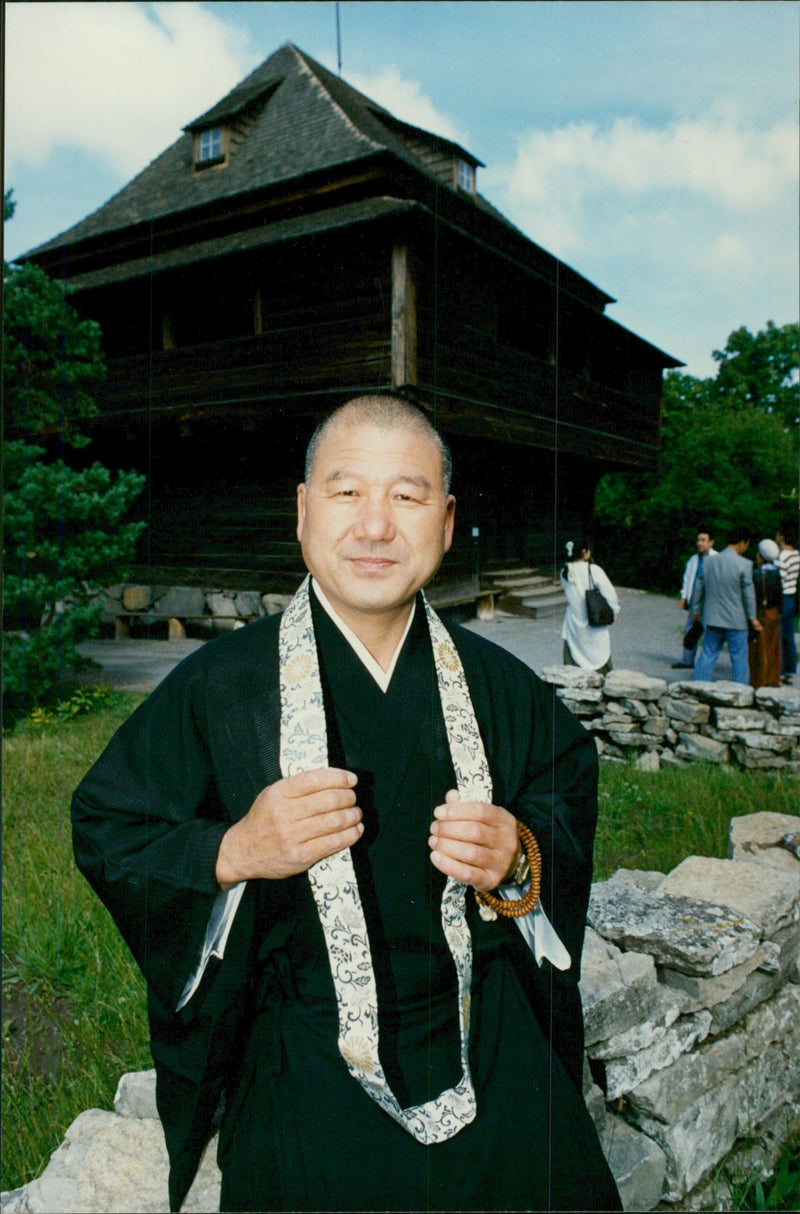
[[297, 245]]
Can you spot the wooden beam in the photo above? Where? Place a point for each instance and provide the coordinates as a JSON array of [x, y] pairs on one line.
[[404, 318]]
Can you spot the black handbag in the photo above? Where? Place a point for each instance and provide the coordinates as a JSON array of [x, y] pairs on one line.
[[598, 609]]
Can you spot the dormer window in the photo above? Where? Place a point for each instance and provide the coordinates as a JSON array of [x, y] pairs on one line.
[[466, 177], [210, 147]]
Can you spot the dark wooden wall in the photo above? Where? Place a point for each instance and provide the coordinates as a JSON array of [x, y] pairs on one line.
[[219, 371]]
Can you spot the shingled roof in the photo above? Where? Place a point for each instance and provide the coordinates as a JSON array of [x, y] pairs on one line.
[[303, 119]]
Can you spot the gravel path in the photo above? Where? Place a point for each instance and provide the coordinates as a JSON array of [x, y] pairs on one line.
[[647, 638]]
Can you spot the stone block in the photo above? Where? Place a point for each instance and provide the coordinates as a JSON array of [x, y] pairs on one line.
[[697, 748], [621, 723], [684, 933], [657, 726], [682, 727], [571, 676], [248, 602], [580, 695], [707, 992], [697, 1141], [684, 710], [740, 718], [637, 1164], [787, 727], [641, 878], [758, 987], [732, 695], [274, 604], [751, 833], [719, 735], [667, 1094], [747, 756], [757, 1155], [113, 1164], [791, 842], [136, 598], [764, 741], [772, 1049], [668, 1006], [617, 989], [785, 701], [774, 857], [221, 605], [670, 759], [648, 761], [579, 709], [636, 708], [625, 1073], [768, 898], [629, 684], [644, 741], [181, 601], [136, 1095]]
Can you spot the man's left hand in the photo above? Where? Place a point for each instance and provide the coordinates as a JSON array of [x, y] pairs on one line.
[[473, 842]]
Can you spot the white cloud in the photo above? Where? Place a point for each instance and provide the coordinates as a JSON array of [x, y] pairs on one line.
[[117, 80], [559, 176], [405, 99], [682, 222]]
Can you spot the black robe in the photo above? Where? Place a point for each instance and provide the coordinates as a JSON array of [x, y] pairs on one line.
[[148, 820]]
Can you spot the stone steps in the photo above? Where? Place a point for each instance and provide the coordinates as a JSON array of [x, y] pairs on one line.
[[527, 592]]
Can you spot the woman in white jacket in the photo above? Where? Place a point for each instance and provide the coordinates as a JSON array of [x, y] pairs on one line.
[[584, 645]]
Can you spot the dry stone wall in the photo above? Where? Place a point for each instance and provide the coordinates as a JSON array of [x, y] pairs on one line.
[[639, 719], [691, 1000], [211, 609]]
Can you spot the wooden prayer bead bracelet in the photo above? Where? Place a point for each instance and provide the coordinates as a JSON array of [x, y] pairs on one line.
[[515, 908]]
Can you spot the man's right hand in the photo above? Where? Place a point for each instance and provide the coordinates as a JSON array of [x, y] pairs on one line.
[[291, 825]]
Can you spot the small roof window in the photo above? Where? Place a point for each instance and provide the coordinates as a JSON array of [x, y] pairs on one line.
[[209, 147], [466, 177]]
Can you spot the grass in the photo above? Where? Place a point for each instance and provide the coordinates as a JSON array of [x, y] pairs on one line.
[[73, 1001], [653, 820]]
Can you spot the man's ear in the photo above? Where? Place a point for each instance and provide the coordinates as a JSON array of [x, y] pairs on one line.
[[301, 510], [449, 521]]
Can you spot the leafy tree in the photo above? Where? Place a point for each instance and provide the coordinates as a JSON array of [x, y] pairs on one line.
[[761, 369], [66, 534], [729, 454]]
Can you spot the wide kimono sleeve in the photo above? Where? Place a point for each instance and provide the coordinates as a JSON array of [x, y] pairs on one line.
[[147, 825], [544, 770]]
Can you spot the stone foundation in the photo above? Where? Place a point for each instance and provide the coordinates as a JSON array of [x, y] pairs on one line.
[[691, 999], [641, 720]]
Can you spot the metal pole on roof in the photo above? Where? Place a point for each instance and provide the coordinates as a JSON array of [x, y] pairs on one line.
[[338, 39]]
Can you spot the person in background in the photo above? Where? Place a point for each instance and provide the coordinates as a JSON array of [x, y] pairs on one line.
[[725, 602], [584, 645], [693, 630], [764, 653], [788, 563]]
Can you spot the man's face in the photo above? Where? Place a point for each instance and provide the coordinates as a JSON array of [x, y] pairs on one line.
[[704, 542], [373, 520]]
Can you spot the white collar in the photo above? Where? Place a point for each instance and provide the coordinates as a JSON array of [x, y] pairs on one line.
[[382, 677]]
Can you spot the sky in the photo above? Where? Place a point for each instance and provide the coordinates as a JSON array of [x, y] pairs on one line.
[[651, 144]]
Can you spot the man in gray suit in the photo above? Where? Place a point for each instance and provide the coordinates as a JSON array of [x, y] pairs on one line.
[[725, 600]]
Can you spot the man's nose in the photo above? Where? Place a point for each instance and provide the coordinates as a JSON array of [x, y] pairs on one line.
[[375, 520]]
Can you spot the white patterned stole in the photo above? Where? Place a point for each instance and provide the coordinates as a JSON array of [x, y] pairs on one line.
[[333, 880]]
